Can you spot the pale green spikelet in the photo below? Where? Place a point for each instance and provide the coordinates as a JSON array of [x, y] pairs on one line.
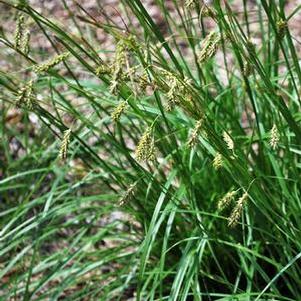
[[282, 27], [128, 195], [237, 211], [209, 47], [103, 70], [19, 32], [25, 42], [176, 90], [25, 97], [217, 161], [118, 65], [228, 140], [119, 110], [65, 144], [145, 150], [192, 141], [171, 95], [143, 82], [274, 137], [51, 63], [226, 200], [124, 45]]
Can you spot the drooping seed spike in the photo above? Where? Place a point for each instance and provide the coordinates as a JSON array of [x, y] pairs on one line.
[[145, 150], [217, 161], [65, 144], [119, 110], [237, 211], [51, 63], [274, 137]]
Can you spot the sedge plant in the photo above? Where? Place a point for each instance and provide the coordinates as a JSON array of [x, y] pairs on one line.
[[165, 167]]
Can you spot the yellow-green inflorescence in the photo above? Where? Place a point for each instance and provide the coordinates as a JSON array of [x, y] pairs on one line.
[[19, 31], [177, 90], [22, 35], [124, 45], [103, 70], [193, 139], [25, 42], [228, 140], [145, 150], [65, 144], [237, 211], [116, 114], [51, 63], [282, 27], [217, 161], [209, 47], [25, 97], [274, 137], [128, 195], [226, 200]]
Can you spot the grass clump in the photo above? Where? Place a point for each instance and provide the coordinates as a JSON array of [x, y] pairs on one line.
[[137, 201]]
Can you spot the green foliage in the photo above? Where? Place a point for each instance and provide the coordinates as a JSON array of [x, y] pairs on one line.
[[167, 169]]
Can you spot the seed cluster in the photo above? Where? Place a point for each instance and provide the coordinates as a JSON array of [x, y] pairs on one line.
[[193, 139], [209, 47], [237, 211], [274, 140], [25, 97], [228, 140], [51, 63], [145, 150], [218, 161], [128, 195], [226, 200], [22, 35], [123, 47], [119, 110], [65, 144], [282, 27], [177, 90]]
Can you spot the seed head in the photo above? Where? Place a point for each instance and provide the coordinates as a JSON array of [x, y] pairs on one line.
[[274, 139], [103, 69], [64, 145], [237, 211], [128, 195], [19, 31], [122, 47], [53, 62], [226, 200], [228, 140], [218, 161], [25, 42], [171, 95], [119, 110], [177, 89], [282, 27], [192, 141], [25, 96], [209, 48], [143, 82], [146, 147]]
